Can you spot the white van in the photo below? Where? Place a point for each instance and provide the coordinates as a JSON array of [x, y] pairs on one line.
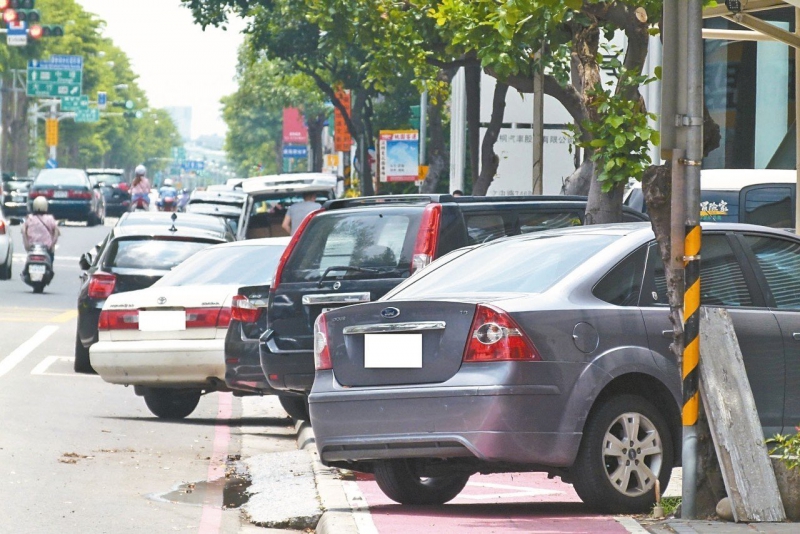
[[268, 198], [754, 196]]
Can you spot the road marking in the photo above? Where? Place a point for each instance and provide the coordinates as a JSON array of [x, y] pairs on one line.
[[211, 518], [11, 361], [42, 367], [358, 504], [631, 525], [23, 257], [36, 315], [65, 317]]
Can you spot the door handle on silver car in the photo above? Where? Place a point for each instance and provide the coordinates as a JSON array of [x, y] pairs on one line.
[[796, 336], [335, 298], [394, 327], [667, 333]]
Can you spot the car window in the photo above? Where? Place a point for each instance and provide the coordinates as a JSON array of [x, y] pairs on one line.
[[721, 206], [484, 227], [60, 177], [769, 206], [150, 253], [245, 266], [622, 285], [722, 282], [108, 179], [373, 239], [479, 270], [542, 220], [779, 260]]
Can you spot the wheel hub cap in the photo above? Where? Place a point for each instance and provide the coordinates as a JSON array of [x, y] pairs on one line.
[[632, 454]]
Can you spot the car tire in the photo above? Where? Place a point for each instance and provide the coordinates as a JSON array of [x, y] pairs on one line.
[[171, 403], [399, 481], [82, 363], [295, 406], [38, 288], [5, 272], [599, 473], [91, 220]]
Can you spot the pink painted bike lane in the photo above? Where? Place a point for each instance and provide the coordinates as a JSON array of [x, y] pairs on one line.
[[505, 503]]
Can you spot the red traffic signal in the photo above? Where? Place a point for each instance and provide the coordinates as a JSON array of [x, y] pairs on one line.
[[4, 4], [35, 32], [9, 15]]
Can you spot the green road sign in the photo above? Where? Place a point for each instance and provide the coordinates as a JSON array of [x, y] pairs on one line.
[[87, 115], [178, 153], [74, 103], [54, 82]]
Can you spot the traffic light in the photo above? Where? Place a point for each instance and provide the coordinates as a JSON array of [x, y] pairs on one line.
[[37, 31], [31, 16], [133, 114], [9, 16], [22, 4]]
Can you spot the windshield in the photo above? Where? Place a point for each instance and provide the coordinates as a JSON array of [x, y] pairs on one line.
[[60, 177], [108, 179], [243, 266], [151, 253], [507, 266]]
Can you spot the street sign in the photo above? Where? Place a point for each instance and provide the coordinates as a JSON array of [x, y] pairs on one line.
[[74, 103], [17, 34], [87, 115], [59, 76], [193, 165], [178, 153], [51, 164], [102, 99], [295, 151], [341, 139], [51, 132]]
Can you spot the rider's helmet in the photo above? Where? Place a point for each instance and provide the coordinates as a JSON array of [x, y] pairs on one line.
[[141, 170], [40, 205], [168, 182]]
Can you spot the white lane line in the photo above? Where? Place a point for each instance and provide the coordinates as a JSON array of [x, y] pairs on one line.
[[23, 257], [631, 525], [11, 361], [43, 366]]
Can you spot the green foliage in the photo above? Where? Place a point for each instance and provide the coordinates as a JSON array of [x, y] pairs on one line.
[[787, 447], [620, 135]]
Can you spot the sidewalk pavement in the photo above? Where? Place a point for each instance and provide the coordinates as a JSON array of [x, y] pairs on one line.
[[678, 526]]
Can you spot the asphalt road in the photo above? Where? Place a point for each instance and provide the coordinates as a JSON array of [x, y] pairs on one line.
[[78, 455]]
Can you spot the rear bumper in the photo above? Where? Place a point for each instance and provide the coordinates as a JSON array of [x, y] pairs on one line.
[[513, 424], [242, 364], [182, 362], [70, 209], [287, 372]]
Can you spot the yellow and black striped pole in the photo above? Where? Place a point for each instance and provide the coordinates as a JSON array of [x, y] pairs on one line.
[[691, 326]]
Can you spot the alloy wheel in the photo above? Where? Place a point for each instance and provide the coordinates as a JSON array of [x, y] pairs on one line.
[[632, 454]]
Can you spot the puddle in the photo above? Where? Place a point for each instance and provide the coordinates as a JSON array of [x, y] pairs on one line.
[[233, 489]]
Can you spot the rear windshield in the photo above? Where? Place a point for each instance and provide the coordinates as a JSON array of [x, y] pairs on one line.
[[721, 206], [60, 177], [377, 241], [508, 266], [245, 266], [108, 179], [151, 253], [280, 202]]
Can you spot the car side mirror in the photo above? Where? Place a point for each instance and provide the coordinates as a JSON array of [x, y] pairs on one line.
[[85, 261]]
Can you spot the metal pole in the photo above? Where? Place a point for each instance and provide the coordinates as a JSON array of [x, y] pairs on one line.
[[2, 125], [458, 130], [693, 121], [797, 119], [54, 115], [538, 126], [423, 130]]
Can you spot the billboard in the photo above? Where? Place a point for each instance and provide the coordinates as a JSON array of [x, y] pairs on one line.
[[294, 128], [399, 155]]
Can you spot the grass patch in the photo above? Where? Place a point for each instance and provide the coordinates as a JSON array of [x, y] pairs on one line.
[[670, 504]]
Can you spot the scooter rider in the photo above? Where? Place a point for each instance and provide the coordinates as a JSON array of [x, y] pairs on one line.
[[140, 189], [40, 228]]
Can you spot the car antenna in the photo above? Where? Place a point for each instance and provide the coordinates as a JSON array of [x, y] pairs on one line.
[[174, 218]]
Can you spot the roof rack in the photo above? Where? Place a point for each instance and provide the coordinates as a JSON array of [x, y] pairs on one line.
[[427, 199]]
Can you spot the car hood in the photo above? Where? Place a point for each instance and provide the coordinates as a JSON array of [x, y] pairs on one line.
[[193, 296]]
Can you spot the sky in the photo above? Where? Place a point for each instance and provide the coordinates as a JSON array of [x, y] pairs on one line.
[[178, 63]]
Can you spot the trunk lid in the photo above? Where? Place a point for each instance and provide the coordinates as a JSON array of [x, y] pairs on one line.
[[398, 342]]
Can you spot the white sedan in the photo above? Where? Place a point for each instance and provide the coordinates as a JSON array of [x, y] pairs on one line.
[[6, 246], [168, 340]]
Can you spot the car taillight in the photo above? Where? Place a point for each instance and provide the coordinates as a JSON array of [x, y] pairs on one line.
[[495, 337], [243, 310], [2, 228], [123, 187], [101, 285], [118, 320], [290, 247], [208, 317], [322, 354], [427, 237], [37, 257], [80, 194], [47, 193]]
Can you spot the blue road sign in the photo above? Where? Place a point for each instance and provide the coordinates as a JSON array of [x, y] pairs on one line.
[[58, 62], [51, 164], [193, 165], [102, 98], [295, 151]]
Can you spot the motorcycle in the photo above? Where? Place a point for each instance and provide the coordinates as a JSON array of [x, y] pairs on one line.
[[140, 204], [167, 202], [38, 270]]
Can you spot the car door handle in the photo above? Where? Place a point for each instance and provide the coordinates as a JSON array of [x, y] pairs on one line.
[[796, 336], [667, 333]]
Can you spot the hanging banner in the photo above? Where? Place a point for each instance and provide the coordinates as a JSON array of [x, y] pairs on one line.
[[399, 155], [341, 135], [294, 128]]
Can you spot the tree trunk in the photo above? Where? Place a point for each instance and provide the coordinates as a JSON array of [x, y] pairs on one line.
[[361, 115], [438, 155], [315, 127], [489, 160], [472, 81], [579, 181]]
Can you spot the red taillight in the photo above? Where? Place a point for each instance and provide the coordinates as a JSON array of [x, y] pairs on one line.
[[37, 257], [80, 194], [101, 285], [118, 320], [2, 228], [322, 353], [427, 237], [288, 251], [495, 337], [243, 310], [208, 317], [46, 193], [123, 186]]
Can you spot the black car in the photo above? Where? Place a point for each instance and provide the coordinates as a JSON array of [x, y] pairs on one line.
[[134, 257], [356, 250], [70, 195], [15, 196], [116, 189]]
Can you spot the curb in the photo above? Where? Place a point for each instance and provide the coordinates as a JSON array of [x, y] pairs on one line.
[[337, 516]]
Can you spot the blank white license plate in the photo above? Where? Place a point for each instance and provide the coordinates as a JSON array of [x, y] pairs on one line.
[[162, 321], [60, 194], [36, 272], [393, 351]]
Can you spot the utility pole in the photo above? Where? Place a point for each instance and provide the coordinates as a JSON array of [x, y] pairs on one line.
[[423, 130], [538, 126]]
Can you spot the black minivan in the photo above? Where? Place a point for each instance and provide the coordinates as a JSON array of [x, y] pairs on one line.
[[356, 250]]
